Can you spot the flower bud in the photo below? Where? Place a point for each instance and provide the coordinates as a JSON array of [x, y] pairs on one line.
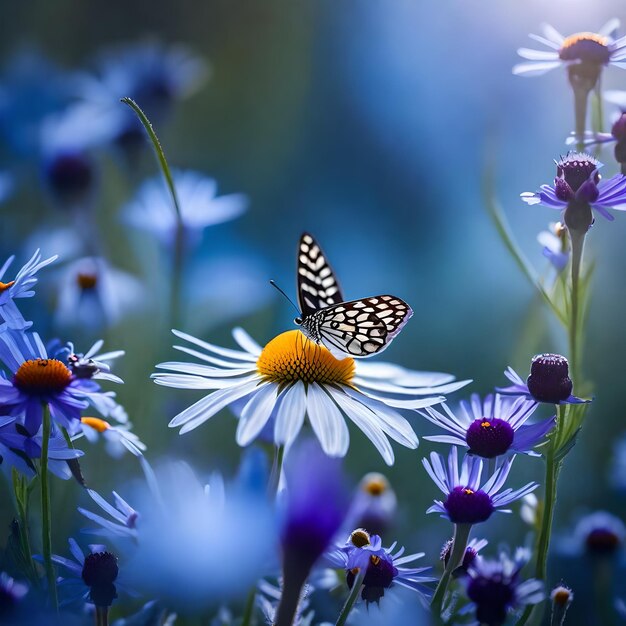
[[549, 378]]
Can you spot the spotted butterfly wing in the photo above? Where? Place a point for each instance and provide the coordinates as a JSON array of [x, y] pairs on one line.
[[359, 328], [317, 284]]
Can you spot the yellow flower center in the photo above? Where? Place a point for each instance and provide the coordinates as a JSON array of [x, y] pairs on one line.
[[575, 39], [360, 538], [42, 376], [376, 485], [291, 357], [5, 286], [86, 281], [485, 424], [96, 423], [468, 491]]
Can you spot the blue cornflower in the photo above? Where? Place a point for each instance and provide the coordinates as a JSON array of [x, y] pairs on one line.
[[383, 567], [20, 287], [555, 245], [18, 447], [200, 206], [37, 379], [578, 183], [293, 377], [581, 50], [548, 381], [492, 427], [124, 518], [598, 534], [495, 587], [466, 501]]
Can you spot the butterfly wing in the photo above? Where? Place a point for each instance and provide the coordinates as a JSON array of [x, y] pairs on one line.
[[317, 284], [359, 328]]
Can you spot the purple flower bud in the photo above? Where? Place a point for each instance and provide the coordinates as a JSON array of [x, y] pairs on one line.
[[576, 168], [100, 568], [549, 378]]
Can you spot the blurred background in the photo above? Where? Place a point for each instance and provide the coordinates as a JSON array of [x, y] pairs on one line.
[[368, 123]]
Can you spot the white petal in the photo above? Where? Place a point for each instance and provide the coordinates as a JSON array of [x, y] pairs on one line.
[[227, 352], [291, 414], [535, 68], [246, 342], [552, 34], [327, 422], [255, 414], [610, 28], [537, 55]]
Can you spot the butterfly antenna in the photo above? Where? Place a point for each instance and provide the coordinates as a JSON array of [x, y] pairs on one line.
[[286, 296]]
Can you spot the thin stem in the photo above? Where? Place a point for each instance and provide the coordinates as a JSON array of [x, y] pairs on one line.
[[45, 509], [102, 616], [459, 545], [293, 582], [578, 241], [581, 97], [352, 598], [248, 612]]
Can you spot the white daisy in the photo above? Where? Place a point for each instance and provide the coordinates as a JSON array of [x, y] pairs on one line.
[[292, 378]]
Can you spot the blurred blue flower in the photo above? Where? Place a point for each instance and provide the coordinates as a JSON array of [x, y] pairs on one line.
[[124, 518], [585, 48], [20, 287], [491, 427], [292, 377], [578, 181], [197, 545], [94, 295], [555, 245], [495, 587], [383, 568], [374, 505], [598, 534], [36, 379], [12, 592], [466, 501], [152, 208]]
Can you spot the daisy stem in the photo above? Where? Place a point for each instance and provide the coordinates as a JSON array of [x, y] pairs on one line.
[[581, 98], [293, 582], [352, 598], [102, 616], [459, 545], [578, 241], [46, 537]]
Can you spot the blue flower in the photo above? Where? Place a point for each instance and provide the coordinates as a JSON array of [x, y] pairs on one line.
[[20, 287], [374, 505], [12, 593], [383, 567], [548, 382], [598, 534], [580, 49], [495, 587], [124, 518], [152, 208], [555, 245], [492, 427], [471, 554], [578, 181], [466, 501], [38, 379]]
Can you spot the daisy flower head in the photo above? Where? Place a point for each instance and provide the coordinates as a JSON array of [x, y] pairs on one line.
[[35, 379], [467, 502], [495, 587], [20, 287], [292, 378], [490, 427], [548, 381], [384, 567], [200, 207], [578, 189]]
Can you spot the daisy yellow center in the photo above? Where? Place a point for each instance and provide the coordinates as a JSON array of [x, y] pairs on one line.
[[376, 486], [96, 423], [41, 376], [5, 286], [572, 40], [291, 357]]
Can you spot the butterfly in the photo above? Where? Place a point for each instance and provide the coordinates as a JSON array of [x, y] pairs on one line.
[[358, 328]]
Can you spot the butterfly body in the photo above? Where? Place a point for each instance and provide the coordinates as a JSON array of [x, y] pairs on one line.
[[356, 328]]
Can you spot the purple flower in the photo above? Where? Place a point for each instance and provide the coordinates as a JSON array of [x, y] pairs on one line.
[[383, 567], [37, 379], [11, 594], [471, 554], [491, 428], [124, 517], [495, 587], [20, 287], [548, 381], [466, 501], [578, 183]]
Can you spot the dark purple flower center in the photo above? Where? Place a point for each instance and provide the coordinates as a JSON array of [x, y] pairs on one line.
[[573, 171], [100, 568], [489, 437], [378, 577], [466, 506], [492, 597], [549, 378], [586, 48], [602, 541], [70, 176]]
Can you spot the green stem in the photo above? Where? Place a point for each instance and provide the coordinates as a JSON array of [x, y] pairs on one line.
[[46, 537], [248, 612], [352, 598], [459, 544], [22, 493], [578, 241], [581, 98], [102, 616]]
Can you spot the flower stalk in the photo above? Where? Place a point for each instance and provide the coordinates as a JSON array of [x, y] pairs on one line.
[[352, 598]]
